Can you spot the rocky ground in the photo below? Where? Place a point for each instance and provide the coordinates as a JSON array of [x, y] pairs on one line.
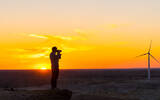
[[84, 84], [119, 90], [13, 94]]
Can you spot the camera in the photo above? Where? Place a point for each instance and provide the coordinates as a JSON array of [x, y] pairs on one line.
[[59, 51]]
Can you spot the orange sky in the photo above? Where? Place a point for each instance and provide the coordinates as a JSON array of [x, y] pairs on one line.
[[92, 34]]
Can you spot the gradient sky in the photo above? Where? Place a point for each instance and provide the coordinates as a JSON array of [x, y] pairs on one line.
[[92, 33]]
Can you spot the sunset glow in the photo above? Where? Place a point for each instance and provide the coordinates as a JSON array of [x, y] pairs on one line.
[[92, 35], [43, 68]]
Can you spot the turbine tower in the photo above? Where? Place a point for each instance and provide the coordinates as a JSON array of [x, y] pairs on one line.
[[149, 55]]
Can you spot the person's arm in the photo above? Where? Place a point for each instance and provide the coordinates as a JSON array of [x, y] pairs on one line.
[[59, 55], [51, 57]]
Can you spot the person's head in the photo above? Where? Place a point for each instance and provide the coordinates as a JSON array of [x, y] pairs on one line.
[[54, 49]]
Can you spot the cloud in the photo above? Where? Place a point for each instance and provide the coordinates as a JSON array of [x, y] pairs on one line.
[[60, 41], [63, 37], [15, 50], [51, 37], [29, 53], [38, 36], [24, 50], [32, 55], [44, 52], [67, 49], [58, 37], [66, 43]]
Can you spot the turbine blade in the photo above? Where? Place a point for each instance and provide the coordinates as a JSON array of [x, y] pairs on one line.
[[155, 59], [142, 55], [150, 46]]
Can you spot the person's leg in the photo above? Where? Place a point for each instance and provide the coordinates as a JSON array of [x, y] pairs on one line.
[[55, 74], [56, 77], [52, 80]]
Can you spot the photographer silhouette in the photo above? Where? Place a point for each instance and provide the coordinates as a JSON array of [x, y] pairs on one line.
[[54, 57]]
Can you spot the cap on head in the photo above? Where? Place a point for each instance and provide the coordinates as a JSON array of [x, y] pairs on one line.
[[54, 49]]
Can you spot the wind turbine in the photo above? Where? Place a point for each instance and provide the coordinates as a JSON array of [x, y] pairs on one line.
[[149, 55]]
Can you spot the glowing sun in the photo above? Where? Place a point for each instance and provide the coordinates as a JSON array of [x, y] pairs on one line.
[[43, 68]]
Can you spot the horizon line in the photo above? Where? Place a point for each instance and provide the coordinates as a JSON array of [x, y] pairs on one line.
[[88, 69]]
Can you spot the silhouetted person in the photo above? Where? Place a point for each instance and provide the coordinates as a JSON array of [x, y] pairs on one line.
[[54, 57]]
